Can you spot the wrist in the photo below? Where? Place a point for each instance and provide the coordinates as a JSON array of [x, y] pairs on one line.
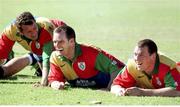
[[117, 90], [57, 85], [44, 81], [146, 92]]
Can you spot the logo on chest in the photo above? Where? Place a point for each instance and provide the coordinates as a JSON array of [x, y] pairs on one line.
[[82, 66], [158, 81], [37, 44]]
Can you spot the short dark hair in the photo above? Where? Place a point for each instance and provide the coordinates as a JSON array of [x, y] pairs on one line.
[[151, 45], [25, 18], [70, 33]]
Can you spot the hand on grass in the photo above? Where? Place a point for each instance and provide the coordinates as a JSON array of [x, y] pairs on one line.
[[57, 85], [117, 90], [133, 91], [37, 84]]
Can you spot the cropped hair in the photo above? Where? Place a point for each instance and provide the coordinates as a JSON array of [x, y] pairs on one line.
[[150, 44], [25, 18], [70, 33]]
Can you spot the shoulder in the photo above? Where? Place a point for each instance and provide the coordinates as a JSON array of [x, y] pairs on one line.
[[11, 31], [167, 61], [89, 48], [54, 56], [45, 23], [42, 20], [132, 69], [131, 65]]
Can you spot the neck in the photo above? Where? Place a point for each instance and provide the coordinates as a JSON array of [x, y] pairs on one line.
[[72, 53], [150, 69]]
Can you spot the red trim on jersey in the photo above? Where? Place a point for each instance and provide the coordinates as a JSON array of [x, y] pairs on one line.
[[57, 22], [162, 71], [84, 55], [176, 76], [124, 79], [5, 46], [44, 38], [55, 74], [111, 57], [87, 53]]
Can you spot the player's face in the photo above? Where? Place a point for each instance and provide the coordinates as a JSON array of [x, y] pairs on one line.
[[143, 60], [62, 44], [30, 31]]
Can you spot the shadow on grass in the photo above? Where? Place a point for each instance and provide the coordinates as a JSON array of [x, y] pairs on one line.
[[11, 80], [16, 82], [21, 76]]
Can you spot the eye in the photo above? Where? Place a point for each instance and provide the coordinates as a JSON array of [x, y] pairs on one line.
[[34, 28], [135, 54]]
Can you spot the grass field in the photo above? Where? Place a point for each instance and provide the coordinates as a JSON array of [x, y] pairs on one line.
[[113, 25]]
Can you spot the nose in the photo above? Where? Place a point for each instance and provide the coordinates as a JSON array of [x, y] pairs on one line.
[[34, 30], [34, 34], [136, 57], [55, 44]]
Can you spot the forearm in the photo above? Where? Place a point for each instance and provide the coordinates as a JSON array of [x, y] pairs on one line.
[[45, 70], [113, 75], [6, 46], [44, 80], [15, 65], [47, 49], [169, 92]]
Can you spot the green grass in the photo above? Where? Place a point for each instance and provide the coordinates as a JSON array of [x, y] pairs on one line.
[[113, 25]]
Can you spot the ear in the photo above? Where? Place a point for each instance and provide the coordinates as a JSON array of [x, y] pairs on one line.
[[153, 56], [20, 33], [72, 41], [19, 30]]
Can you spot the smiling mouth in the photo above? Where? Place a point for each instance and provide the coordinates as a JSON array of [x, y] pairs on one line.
[[60, 49], [139, 64]]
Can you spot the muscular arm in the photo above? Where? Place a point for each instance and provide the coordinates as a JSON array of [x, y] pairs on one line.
[[47, 49], [55, 77], [107, 64], [122, 87], [121, 82], [5, 46], [136, 91], [168, 91]]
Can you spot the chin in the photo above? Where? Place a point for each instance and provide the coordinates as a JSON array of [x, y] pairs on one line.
[[138, 68], [35, 38]]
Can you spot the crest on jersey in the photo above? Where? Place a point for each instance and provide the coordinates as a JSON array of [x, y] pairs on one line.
[[82, 66], [37, 45], [158, 81]]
